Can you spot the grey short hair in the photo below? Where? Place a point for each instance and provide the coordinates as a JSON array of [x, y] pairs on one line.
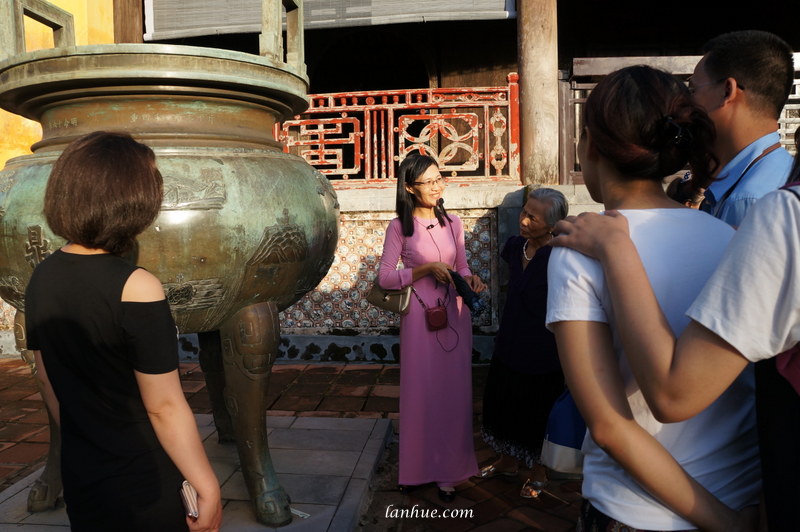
[[559, 206]]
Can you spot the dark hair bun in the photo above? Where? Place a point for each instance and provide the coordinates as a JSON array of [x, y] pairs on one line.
[[643, 120]]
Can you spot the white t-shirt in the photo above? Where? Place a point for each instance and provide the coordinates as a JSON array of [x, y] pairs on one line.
[[753, 299], [680, 248]]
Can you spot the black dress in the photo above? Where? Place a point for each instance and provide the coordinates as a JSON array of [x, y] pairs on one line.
[[525, 376], [116, 474]]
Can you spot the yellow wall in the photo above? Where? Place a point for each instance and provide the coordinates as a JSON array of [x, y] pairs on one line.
[[94, 24]]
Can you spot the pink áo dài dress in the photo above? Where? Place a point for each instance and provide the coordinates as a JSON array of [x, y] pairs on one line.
[[436, 442]]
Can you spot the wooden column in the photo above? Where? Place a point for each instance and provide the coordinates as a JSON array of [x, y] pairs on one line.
[[538, 84], [128, 21]]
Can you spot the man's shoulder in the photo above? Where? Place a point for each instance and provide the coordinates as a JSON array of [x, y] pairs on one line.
[[766, 175], [782, 199], [777, 208]]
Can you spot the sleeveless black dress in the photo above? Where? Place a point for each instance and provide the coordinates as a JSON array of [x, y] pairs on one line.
[[116, 474]]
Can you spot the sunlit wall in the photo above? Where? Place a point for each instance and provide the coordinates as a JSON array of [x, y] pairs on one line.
[[94, 24]]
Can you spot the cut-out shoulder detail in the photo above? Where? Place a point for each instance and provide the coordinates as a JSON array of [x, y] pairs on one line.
[[142, 286]]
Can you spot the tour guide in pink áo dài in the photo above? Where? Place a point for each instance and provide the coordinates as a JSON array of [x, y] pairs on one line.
[[436, 442]]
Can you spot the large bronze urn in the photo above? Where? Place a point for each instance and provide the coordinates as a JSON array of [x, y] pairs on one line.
[[244, 231]]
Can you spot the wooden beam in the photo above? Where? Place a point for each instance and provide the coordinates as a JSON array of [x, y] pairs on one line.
[[600, 66], [128, 21]]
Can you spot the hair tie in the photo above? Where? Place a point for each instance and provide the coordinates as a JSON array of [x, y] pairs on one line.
[[675, 134]]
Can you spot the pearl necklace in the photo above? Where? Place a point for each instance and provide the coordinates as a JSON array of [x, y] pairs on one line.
[[525, 252]]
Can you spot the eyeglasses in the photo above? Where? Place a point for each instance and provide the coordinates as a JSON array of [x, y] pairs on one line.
[[693, 88], [439, 182]]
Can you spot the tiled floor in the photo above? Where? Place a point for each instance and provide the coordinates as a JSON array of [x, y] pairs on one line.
[[303, 398], [325, 464]]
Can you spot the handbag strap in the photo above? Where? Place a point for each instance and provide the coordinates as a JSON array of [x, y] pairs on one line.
[[411, 286], [421, 302]]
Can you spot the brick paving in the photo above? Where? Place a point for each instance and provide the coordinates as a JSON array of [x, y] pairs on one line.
[[324, 390]]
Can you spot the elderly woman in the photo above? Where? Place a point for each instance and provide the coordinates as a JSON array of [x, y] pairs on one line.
[[525, 376]]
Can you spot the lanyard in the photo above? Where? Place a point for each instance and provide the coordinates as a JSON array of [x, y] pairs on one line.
[[728, 192]]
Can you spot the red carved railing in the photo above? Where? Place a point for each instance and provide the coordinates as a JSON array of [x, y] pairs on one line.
[[472, 131]]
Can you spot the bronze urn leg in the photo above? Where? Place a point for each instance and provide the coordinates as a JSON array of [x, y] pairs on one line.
[[249, 346], [46, 489], [213, 372]]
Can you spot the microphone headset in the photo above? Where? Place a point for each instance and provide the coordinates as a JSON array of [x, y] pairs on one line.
[[439, 203]]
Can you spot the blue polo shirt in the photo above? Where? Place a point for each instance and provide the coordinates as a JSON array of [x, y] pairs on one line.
[[764, 176]]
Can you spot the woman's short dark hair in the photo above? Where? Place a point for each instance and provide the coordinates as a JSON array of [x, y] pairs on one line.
[[644, 121], [103, 191], [413, 166]]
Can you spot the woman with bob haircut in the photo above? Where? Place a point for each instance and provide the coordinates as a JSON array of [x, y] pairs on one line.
[[436, 443], [641, 126], [106, 349]]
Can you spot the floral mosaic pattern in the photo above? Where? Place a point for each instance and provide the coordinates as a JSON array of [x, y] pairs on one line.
[[339, 301]]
